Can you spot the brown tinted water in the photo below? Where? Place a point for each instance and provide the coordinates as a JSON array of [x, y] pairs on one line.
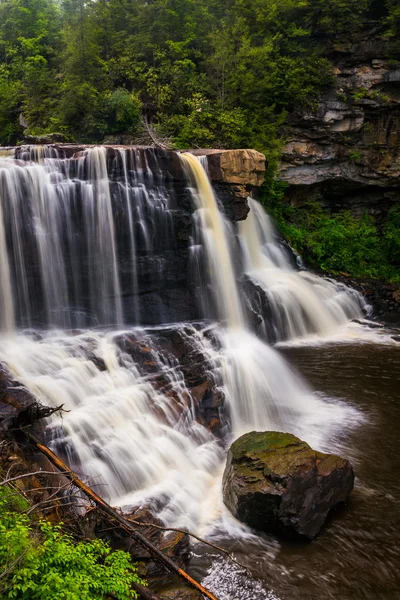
[[357, 555]]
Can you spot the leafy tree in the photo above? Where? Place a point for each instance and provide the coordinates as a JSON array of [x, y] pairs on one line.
[[29, 46]]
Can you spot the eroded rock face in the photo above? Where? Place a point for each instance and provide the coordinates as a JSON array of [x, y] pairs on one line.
[[346, 154], [275, 482], [179, 348]]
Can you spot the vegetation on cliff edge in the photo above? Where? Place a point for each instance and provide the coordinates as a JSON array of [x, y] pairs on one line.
[[204, 72], [339, 242]]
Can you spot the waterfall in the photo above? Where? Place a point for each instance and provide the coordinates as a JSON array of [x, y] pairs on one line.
[[299, 302], [212, 228], [77, 234], [73, 231], [99, 224], [262, 390]]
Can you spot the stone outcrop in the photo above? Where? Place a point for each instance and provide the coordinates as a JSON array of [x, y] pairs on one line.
[[275, 482], [235, 175], [346, 154], [179, 347]]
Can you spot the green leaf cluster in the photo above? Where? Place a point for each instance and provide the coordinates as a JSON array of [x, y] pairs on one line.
[[39, 561]]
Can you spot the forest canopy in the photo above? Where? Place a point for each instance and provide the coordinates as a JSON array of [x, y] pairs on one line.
[[203, 72]]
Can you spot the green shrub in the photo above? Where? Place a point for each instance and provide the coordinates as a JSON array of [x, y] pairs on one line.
[[122, 112], [39, 561]]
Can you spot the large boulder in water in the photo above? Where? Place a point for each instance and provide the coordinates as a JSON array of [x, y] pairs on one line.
[[275, 482]]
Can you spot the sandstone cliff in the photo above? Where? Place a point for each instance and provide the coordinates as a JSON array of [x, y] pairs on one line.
[[346, 153]]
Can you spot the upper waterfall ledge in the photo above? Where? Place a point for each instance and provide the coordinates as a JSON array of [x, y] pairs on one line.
[[242, 167], [234, 173]]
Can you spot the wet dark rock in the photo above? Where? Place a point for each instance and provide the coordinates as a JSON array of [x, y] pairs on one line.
[[383, 297], [169, 354], [180, 593], [275, 482], [18, 406]]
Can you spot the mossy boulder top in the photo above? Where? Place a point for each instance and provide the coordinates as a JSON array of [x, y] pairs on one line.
[[275, 482]]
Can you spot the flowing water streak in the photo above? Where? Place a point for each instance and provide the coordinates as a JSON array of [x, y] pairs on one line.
[[300, 302], [213, 233], [263, 392], [6, 297], [132, 242], [103, 267]]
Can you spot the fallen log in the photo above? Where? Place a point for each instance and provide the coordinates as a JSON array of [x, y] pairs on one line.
[[125, 524]]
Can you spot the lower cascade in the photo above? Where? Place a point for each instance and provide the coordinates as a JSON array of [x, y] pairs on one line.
[[152, 406]]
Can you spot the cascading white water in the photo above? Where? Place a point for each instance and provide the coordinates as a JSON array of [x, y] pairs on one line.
[[137, 442], [98, 219], [263, 392], [299, 302]]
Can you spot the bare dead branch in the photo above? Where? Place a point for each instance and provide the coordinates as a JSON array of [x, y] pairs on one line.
[[193, 535]]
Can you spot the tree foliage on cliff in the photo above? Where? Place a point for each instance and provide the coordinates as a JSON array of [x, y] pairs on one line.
[[340, 242], [206, 72]]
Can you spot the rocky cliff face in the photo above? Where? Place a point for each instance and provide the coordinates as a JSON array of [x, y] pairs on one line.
[[346, 154]]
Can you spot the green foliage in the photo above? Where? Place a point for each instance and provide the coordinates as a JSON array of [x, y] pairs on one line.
[[41, 562], [211, 73], [123, 111], [362, 92], [391, 236], [339, 242], [355, 156], [29, 49]]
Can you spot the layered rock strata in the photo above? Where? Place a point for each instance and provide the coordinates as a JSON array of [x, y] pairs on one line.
[[346, 153]]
